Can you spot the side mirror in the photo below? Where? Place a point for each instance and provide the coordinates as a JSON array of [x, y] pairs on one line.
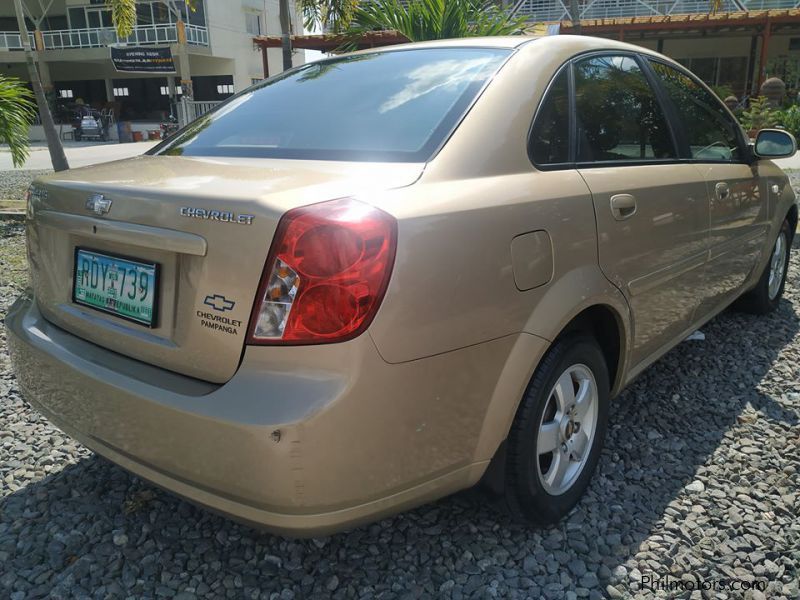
[[775, 143]]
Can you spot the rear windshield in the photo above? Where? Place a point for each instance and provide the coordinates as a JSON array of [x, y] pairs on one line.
[[384, 106]]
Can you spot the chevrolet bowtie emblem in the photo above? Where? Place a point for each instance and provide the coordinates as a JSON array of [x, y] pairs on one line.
[[98, 204], [220, 303]]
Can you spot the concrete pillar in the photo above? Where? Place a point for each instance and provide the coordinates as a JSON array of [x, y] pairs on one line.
[[109, 90]]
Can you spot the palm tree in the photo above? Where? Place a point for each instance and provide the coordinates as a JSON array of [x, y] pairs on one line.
[[420, 20], [57, 156], [123, 14], [575, 15], [286, 30], [17, 111], [333, 17]]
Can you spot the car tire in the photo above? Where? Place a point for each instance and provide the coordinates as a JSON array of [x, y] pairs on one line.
[[547, 416], [765, 297]]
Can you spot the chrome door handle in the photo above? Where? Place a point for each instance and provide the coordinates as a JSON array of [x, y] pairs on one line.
[[722, 189], [623, 206]]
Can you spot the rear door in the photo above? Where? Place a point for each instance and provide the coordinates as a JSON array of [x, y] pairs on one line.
[[651, 209], [738, 207]]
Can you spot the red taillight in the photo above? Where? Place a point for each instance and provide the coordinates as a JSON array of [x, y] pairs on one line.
[[326, 274]]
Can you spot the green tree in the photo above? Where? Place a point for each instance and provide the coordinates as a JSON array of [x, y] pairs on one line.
[[17, 111], [420, 20]]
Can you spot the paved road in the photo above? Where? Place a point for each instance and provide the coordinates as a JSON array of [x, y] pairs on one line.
[[79, 154]]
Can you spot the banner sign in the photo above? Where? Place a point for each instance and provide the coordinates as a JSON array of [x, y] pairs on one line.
[[143, 60]]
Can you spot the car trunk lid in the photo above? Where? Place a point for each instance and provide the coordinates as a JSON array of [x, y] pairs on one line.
[[207, 223]]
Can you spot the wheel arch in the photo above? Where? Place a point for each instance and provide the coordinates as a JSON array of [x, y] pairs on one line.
[[791, 216], [607, 324], [605, 317]]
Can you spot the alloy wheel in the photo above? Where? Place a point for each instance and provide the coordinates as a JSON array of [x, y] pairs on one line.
[[567, 429], [777, 266]]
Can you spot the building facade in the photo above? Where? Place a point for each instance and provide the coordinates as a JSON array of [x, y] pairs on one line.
[[733, 50], [210, 40]]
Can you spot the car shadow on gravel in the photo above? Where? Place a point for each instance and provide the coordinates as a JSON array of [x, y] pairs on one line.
[[91, 524]]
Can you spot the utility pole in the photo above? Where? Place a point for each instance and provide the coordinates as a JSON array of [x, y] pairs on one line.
[[286, 29], [57, 156]]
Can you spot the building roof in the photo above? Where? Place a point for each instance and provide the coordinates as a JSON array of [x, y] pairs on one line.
[[688, 22], [653, 23]]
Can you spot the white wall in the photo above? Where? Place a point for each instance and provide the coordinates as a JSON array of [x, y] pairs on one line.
[[229, 38]]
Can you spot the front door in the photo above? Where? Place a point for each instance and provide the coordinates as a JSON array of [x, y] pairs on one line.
[[651, 209], [738, 207]]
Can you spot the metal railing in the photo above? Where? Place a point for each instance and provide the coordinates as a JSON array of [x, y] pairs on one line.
[[12, 40], [197, 35], [99, 37], [557, 10], [189, 110]]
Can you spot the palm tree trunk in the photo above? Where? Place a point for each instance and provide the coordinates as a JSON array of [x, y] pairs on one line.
[[57, 156], [285, 32], [575, 16]]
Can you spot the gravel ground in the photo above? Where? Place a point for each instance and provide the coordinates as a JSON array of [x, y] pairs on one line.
[[699, 479], [14, 183]]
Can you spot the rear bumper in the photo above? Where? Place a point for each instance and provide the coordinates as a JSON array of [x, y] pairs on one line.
[[302, 440]]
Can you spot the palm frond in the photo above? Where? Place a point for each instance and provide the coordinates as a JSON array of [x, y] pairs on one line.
[[17, 112], [420, 20], [123, 15], [328, 16]]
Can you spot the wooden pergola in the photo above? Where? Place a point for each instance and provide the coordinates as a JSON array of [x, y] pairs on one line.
[[327, 42], [756, 23]]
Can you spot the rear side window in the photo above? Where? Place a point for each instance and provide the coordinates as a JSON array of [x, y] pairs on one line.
[[383, 106], [550, 136], [618, 115], [711, 133]]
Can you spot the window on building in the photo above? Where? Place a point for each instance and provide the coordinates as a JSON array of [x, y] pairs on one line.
[[121, 91], [225, 88], [77, 17], [66, 94], [252, 22], [164, 90], [618, 116], [255, 80], [549, 142], [713, 134], [97, 17]]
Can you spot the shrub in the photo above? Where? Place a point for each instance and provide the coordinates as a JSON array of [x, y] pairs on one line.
[[759, 115], [789, 119]]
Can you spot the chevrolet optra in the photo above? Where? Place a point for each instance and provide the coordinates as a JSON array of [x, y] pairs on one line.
[[380, 278]]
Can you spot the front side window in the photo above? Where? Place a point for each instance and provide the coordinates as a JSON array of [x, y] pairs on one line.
[[384, 106], [550, 135], [711, 132], [618, 115]]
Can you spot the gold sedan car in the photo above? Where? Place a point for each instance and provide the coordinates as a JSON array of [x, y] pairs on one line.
[[380, 278]]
